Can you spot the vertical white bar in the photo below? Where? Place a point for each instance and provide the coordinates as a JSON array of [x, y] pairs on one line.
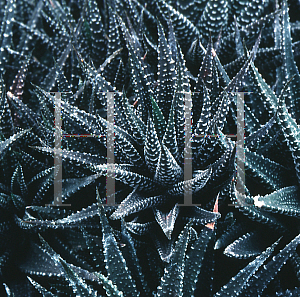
[[110, 139], [57, 152], [188, 166], [240, 149]]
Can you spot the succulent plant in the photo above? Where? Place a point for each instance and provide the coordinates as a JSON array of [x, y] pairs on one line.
[[150, 54]]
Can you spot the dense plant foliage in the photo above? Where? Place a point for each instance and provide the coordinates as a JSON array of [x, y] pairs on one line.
[[150, 54]]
